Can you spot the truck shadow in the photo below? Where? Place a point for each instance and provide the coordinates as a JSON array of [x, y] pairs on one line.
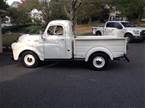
[[113, 65], [64, 64]]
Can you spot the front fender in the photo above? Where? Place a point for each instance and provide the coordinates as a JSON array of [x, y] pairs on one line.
[[99, 49], [97, 29], [130, 31], [19, 48]]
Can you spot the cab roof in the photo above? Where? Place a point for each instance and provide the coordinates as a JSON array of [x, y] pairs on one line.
[[118, 21], [60, 22]]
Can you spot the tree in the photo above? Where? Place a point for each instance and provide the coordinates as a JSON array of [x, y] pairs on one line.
[[29, 5], [71, 8], [89, 10], [19, 16], [3, 6], [132, 9], [57, 13]]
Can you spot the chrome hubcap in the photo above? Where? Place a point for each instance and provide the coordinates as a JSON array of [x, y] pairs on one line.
[[29, 60], [99, 62]]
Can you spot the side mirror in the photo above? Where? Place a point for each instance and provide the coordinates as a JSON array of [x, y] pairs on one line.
[[42, 36], [40, 32]]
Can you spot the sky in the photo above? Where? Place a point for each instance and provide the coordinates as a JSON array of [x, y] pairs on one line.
[[11, 1]]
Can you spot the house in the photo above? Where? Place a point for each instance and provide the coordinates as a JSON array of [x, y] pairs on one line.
[[115, 14], [44, 1]]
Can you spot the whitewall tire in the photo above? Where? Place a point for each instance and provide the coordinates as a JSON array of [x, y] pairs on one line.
[[30, 59], [98, 61]]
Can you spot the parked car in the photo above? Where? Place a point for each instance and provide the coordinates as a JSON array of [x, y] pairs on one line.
[[121, 29], [59, 43]]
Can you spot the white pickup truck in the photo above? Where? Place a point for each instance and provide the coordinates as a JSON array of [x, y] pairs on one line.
[[121, 29], [59, 43]]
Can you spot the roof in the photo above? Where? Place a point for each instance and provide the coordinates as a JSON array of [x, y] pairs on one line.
[[61, 22], [118, 21]]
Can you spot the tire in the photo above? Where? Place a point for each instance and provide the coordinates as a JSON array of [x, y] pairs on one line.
[[98, 61], [129, 37], [30, 59], [98, 33]]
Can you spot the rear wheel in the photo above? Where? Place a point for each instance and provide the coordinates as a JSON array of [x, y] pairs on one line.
[[98, 61], [30, 59]]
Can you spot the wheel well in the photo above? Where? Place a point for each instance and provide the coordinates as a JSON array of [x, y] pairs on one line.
[[100, 52], [127, 34], [99, 32], [27, 51]]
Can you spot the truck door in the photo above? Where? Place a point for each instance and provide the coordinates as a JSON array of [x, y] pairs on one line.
[[108, 28], [114, 28], [55, 43]]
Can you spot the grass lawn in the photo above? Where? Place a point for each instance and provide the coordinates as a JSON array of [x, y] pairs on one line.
[[86, 29]]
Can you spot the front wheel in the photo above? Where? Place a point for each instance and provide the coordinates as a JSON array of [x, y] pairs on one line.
[[30, 59], [98, 61]]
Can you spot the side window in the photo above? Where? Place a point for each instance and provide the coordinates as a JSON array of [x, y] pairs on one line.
[[51, 30], [114, 25], [118, 26], [59, 30], [110, 24], [55, 30]]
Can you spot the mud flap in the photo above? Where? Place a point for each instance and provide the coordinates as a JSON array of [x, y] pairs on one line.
[[126, 58]]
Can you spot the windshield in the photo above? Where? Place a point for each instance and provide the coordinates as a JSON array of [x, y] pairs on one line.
[[128, 24]]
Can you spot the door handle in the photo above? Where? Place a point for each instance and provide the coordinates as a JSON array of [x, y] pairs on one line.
[[62, 39]]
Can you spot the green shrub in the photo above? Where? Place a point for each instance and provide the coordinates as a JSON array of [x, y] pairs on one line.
[[9, 38]]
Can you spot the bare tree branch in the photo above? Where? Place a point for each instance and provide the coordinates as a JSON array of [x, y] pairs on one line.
[[71, 10]]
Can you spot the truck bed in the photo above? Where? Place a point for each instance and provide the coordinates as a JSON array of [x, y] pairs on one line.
[[83, 44]]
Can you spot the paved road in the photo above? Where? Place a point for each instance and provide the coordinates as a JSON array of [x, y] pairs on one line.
[[73, 85]]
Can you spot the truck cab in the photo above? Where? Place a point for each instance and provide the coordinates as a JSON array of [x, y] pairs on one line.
[[58, 38], [114, 28], [58, 42]]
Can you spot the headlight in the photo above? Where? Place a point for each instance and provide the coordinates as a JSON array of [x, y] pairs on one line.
[[136, 31]]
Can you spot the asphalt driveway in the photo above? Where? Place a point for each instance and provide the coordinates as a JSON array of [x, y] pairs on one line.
[[73, 85]]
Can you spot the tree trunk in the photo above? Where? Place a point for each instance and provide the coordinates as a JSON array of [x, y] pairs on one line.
[[72, 11], [1, 47], [90, 20], [73, 14]]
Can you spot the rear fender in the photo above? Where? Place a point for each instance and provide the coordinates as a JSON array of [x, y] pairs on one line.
[[98, 49]]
